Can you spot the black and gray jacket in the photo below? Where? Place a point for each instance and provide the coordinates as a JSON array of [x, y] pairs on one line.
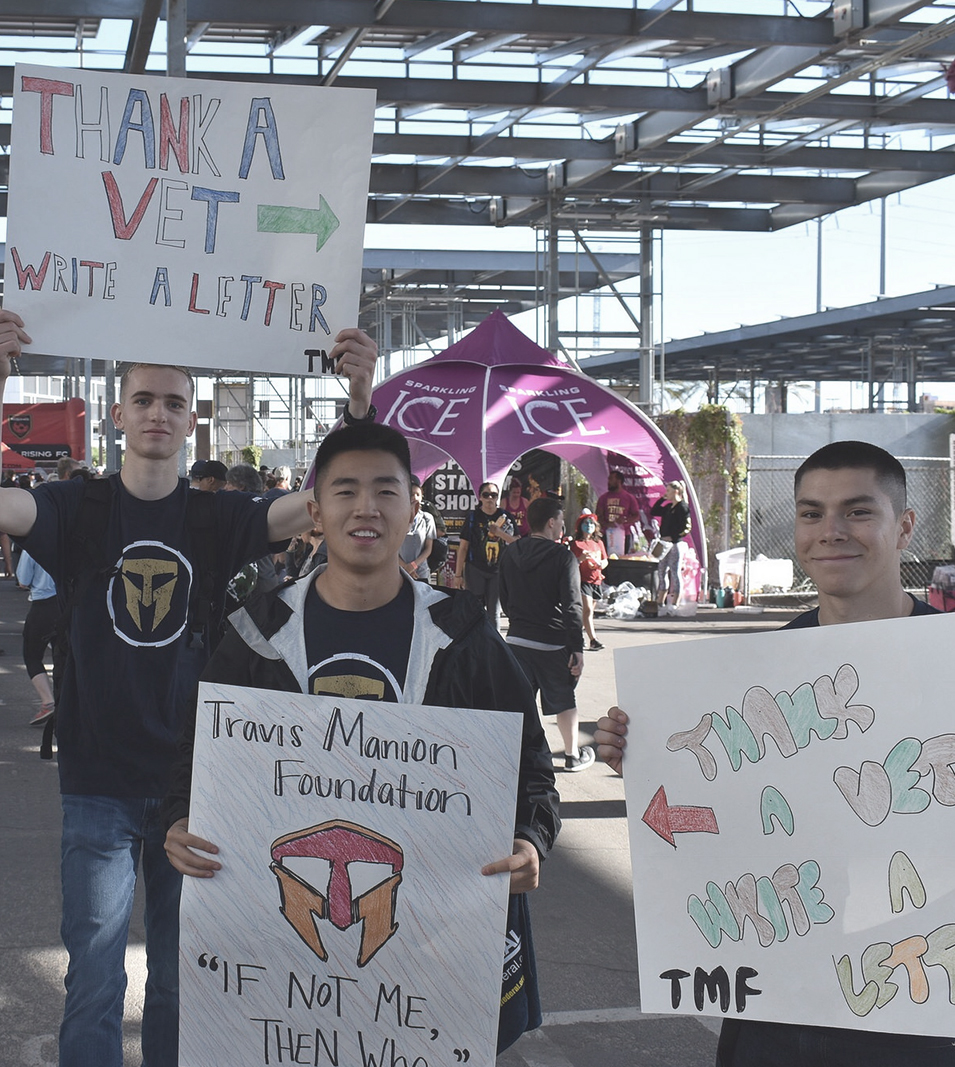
[[456, 660], [540, 593]]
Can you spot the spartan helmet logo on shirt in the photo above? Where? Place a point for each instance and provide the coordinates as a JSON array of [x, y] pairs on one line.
[[353, 676], [148, 596], [342, 872]]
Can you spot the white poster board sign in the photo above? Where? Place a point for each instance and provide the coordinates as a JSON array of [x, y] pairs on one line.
[[350, 921], [188, 221], [790, 799]]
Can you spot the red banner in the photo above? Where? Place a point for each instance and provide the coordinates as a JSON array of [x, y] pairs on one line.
[[44, 432]]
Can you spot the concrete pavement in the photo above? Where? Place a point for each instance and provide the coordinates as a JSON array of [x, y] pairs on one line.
[[582, 914]]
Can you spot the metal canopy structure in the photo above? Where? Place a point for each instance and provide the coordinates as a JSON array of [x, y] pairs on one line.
[[626, 116], [454, 290], [905, 339], [613, 112]]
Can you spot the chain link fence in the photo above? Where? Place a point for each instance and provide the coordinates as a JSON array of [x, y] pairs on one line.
[[771, 512]]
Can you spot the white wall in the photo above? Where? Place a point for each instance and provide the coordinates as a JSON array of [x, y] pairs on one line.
[[799, 435]]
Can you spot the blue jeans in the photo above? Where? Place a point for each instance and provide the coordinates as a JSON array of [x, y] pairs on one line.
[[104, 839], [669, 578]]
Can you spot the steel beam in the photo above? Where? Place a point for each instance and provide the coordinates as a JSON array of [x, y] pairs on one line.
[[140, 36]]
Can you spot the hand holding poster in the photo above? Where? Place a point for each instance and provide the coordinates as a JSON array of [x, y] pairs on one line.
[[217, 224], [350, 921], [787, 801]]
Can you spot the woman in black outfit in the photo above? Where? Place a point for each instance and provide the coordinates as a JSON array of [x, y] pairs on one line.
[[486, 530], [674, 514]]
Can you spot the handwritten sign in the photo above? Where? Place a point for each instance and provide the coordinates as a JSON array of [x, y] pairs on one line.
[[350, 922], [216, 224], [787, 802]]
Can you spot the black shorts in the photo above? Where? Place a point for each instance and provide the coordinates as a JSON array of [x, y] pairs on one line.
[[590, 589], [549, 674]]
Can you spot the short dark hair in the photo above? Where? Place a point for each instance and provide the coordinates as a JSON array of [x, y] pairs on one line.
[[184, 371], [541, 511], [245, 477], [364, 437], [859, 455]]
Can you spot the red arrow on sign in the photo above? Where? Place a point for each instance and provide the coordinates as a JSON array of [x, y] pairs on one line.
[[667, 821]]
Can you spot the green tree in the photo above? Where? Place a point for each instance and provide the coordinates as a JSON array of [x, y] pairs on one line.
[[252, 454], [713, 449]]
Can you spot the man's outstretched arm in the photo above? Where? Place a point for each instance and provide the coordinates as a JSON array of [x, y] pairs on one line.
[[356, 354], [17, 506]]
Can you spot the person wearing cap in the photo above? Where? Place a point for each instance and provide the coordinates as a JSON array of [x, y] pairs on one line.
[[282, 476], [207, 475], [674, 514], [592, 560]]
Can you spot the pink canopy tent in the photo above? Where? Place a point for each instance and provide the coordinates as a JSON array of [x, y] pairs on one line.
[[495, 395]]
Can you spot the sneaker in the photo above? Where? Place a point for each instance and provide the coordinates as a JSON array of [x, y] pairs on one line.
[[45, 712], [581, 762], [596, 646]]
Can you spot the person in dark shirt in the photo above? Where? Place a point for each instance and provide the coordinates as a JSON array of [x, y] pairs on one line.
[[361, 626], [540, 591], [852, 523], [674, 514], [133, 661], [487, 529]]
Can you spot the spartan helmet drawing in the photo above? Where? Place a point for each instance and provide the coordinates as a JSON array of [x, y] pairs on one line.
[[339, 844]]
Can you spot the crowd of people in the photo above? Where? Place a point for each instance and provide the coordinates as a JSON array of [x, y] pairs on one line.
[[348, 607]]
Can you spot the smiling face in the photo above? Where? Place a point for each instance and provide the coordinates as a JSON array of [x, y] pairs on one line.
[[363, 505], [849, 540], [154, 411]]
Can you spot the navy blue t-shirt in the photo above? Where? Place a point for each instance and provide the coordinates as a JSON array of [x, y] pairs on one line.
[[362, 655], [811, 618], [131, 673]]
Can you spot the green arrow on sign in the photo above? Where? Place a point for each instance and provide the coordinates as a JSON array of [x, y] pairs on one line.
[[323, 222]]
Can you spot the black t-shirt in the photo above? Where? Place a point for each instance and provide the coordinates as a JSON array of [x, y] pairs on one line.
[[811, 618], [131, 673], [674, 518], [361, 655], [484, 552]]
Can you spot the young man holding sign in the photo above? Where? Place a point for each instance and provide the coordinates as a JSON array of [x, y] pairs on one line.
[[362, 627], [852, 523], [144, 592]]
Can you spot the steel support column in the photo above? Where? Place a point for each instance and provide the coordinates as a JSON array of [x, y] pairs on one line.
[[176, 38], [552, 278], [112, 458], [647, 373]]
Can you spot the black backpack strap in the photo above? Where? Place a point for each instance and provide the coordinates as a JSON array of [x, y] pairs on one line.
[[86, 560], [204, 609]]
